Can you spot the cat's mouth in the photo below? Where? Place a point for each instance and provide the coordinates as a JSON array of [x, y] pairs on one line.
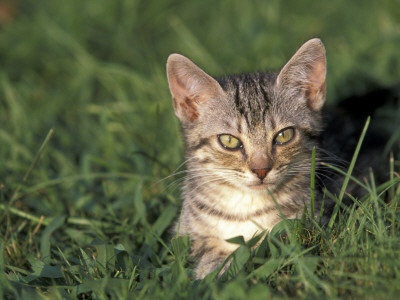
[[259, 186]]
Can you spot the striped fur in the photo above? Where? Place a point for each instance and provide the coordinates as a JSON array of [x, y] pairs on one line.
[[225, 193]]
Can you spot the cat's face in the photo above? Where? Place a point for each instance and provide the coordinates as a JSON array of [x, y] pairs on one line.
[[252, 131]]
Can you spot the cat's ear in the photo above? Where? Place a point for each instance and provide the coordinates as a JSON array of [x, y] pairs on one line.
[[306, 71], [190, 87]]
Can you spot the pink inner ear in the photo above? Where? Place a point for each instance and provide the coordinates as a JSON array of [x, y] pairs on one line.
[[317, 76], [184, 104], [190, 87], [316, 85]]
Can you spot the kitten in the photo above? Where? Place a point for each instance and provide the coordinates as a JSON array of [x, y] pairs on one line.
[[247, 137]]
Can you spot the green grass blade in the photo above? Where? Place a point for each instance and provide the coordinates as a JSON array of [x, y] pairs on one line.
[[348, 174], [35, 161]]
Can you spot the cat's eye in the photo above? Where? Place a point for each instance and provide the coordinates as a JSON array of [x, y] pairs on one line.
[[284, 136], [229, 142]]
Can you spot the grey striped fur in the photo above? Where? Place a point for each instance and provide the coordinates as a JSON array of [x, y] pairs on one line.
[[224, 192]]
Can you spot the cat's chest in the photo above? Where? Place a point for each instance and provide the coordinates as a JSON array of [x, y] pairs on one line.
[[240, 215], [231, 212], [248, 229]]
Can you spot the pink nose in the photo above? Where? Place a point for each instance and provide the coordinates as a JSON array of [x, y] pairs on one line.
[[261, 173]]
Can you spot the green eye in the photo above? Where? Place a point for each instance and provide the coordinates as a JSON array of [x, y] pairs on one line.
[[229, 142], [284, 136]]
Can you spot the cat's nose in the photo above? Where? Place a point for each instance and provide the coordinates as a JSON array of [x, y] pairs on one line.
[[261, 173]]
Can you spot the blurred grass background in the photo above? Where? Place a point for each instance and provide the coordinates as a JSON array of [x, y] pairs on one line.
[[94, 72]]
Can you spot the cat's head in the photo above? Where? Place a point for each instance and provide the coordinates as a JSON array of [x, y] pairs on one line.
[[251, 131]]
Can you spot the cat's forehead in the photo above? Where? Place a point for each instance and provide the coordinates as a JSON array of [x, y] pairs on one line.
[[255, 102], [249, 96], [252, 106]]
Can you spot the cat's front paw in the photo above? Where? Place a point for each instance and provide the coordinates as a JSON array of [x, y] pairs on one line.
[[207, 265]]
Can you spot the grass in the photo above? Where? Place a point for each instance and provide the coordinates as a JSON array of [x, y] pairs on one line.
[[87, 134]]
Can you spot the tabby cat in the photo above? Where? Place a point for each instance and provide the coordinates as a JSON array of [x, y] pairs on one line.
[[249, 139]]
